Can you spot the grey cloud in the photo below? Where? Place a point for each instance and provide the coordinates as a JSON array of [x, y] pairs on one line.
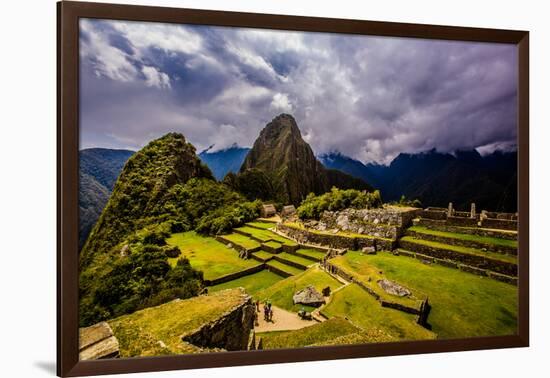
[[367, 97]]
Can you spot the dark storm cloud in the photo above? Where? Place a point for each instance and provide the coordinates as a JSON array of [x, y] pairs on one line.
[[368, 97]]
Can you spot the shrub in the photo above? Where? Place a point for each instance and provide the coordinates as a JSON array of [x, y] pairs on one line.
[[313, 206]]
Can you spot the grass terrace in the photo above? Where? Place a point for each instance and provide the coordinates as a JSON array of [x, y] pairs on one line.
[[467, 237], [357, 264], [273, 244], [465, 250], [312, 253], [242, 241], [262, 225], [207, 254], [463, 304], [297, 259], [263, 255], [281, 293], [252, 284], [364, 311], [265, 235], [140, 333], [284, 267]]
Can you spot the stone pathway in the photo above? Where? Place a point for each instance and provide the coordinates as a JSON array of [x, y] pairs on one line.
[[283, 320]]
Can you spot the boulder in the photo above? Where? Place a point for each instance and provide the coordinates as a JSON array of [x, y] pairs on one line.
[[393, 288], [369, 250], [308, 296]]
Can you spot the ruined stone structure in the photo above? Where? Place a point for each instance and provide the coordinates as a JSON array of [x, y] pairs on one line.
[[97, 342], [485, 219], [230, 332], [268, 210]]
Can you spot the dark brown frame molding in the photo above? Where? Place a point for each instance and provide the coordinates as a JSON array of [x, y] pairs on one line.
[[68, 14]]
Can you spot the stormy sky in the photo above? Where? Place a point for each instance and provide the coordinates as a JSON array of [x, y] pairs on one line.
[[367, 97]]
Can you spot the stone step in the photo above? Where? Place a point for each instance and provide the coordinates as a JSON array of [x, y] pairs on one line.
[[261, 256], [494, 262], [452, 264], [439, 225], [484, 243]]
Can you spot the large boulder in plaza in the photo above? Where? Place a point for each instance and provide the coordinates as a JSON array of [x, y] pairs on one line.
[[308, 296]]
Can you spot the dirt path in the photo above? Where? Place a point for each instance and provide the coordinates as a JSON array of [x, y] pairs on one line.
[[282, 321]]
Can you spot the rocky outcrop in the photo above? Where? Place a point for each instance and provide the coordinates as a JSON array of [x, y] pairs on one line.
[[97, 342], [231, 331], [282, 157], [308, 296], [393, 288]]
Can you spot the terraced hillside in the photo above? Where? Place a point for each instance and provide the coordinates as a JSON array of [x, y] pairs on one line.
[[491, 253]]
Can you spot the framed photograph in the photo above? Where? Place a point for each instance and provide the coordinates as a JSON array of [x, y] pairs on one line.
[[238, 188]]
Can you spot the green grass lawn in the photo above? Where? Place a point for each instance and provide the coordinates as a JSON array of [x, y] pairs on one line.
[[463, 304], [284, 267], [265, 235], [242, 241], [263, 255], [465, 250], [317, 334], [263, 225], [273, 244], [139, 333], [366, 312], [208, 255], [357, 264], [252, 283], [281, 293], [297, 259], [467, 237], [312, 252]]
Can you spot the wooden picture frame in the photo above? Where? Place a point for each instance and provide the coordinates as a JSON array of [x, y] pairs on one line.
[[69, 13]]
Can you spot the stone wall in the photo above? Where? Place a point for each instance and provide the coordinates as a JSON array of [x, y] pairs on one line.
[[387, 222], [230, 332], [234, 276], [472, 260], [305, 236], [442, 226], [434, 214], [462, 221], [502, 224], [465, 243]]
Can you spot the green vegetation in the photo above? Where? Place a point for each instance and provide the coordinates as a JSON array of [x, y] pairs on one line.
[[313, 206], [297, 259], [263, 225], [281, 293], [357, 265], [460, 249], [273, 244], [208, 255], [312, 253], [407, 202], [284, 267], [242, 241], [140, 333], [142, 279], [463, 304], [317, 334], [366, 312], [252, 284], [265, 235], [263, 255], [467, 237]]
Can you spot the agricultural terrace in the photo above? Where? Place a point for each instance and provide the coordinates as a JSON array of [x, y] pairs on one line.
[[207, 254]]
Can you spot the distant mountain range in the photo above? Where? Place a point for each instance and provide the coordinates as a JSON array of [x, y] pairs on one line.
[[222, 162], [99, 170], [439, 178]]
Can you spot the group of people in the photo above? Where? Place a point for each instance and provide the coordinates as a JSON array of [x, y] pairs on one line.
[[268, 310]]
